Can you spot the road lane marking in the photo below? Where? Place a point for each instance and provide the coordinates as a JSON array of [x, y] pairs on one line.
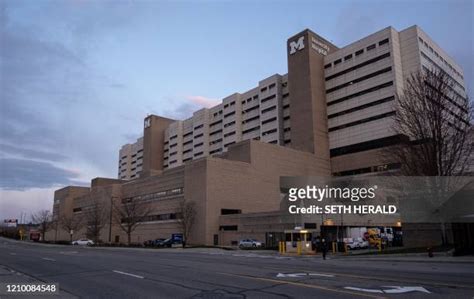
[[364, 290], [48, 259], [394, 290], [129, 274], [68, 252], [398, 280], [299, 284], [12, 253], [399, 290], [280, 275]]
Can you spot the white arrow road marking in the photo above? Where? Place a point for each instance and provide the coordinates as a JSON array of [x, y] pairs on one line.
[[395, 290], [364, 290], [320, 274], [129, 274], [399, 290], [303, 274], [48, 259]]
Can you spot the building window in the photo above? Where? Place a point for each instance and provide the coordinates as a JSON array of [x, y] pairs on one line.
[[198, 135], [250, 119], [251, 130], [229, 134], [383, 42], [215, 132], [371, 47], [337, 61], [268, 98], [228, 227], [198, 144], [229, 124], [269, 132], [268, 109], [216, 123], [327, 66], [348, 57], [360, 52], [269, 120], [229, 114]]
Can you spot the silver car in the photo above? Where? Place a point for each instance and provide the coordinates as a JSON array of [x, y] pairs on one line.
[[250, 243], [83, 242]]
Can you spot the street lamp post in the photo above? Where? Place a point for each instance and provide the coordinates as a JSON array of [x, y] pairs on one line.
[[110, 218]]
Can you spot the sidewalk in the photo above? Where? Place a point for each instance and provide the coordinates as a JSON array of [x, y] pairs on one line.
[[439, 257]]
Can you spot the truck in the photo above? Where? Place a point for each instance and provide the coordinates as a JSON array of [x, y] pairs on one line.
[[355, 237]]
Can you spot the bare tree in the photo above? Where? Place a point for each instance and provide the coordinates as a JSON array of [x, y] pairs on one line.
[[187, 211], [129, 214], [71, 224], [95, 218], [434, 122], [44, 220]]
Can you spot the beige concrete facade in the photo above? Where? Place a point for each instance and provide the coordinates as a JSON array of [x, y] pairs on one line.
[[131, 160], [245, 178]]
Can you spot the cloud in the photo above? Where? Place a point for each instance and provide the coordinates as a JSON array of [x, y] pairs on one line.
[[22, 204], [31, 153], [182, 111], [202, 101], [22, 174]]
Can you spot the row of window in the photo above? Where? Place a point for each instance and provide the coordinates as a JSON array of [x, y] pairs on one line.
[[371, 104], [362, 92], [357, 53], [270, 87], [358, 66], [158, 217], [371, 169], [438, 67], [424, 43], [360, 79], [365, 146], [153, 196], [362, 121]]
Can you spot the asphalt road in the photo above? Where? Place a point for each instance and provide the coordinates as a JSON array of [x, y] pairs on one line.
[[207, 273]]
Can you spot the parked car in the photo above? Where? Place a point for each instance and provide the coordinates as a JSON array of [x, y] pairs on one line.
[[351, 244], [356, 243], [168, 243], [250, 243], [362, 243], [152, 243], [83, 242]]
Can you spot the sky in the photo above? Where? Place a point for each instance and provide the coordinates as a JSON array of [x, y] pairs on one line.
[[78, 77]]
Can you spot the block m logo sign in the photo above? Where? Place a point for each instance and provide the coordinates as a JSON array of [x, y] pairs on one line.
[[297, 45]]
